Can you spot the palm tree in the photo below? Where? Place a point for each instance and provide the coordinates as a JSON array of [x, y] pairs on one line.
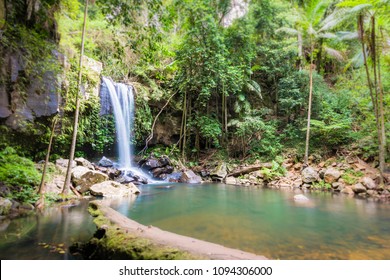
[[372, 20], [312, 26]]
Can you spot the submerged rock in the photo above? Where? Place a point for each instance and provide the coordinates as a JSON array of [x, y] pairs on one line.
[[300, 198]]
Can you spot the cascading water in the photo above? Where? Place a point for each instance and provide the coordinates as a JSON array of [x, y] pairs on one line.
[[121, 99], [122, 102]]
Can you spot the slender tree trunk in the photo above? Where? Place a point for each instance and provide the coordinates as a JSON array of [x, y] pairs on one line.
[[309, 106], [183, 131], [382, 148], [300, 51], [66, 187], [41, 202]]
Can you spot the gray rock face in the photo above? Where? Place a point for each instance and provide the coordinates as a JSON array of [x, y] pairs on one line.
[[368, 183], [347, 190], [83, 162], [359, 188], [309, 175], [83, 178], [4, 103], [5, 206], [331, 175], [105, 162], [113, 189], [190, 177], [231, 181], [220, 172]]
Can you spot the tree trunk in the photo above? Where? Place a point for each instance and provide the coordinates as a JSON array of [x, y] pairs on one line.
[[382, 147], [41, 202], [66, 187], [309, 106]]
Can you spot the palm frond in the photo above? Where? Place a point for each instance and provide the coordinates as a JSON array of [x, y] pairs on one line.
[[334, 53]]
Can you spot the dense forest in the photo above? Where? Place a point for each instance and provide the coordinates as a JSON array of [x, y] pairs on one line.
[[237, 81]]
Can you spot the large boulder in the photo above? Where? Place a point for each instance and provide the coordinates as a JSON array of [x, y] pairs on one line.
[[368, 183], [309, 175], [83, 162], [359, 188], [105, 162], [113, 189], [220, 172], [5, 206], [62, 164], [83, 178], [331, 175], [188, 176], [231, 180]]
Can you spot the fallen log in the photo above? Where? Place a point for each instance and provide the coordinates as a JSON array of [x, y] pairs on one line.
[[248, 169], [119, 237]]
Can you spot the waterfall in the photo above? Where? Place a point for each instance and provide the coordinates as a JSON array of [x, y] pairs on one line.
[[122, 102]]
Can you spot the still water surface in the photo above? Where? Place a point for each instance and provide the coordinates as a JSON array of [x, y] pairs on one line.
[[268, 222], [262, 221]]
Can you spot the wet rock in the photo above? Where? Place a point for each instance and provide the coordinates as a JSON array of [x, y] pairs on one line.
[[83, 178], [4, 223], [105, 162], [26, 207], [115, 173], [230, 181], [83, 162], [149, 163], [220, 172], [359, 188], [309, 175], [347, 190], [157, 172], [113, 189], [331, 175], [372, 192], [306, 186], [188, 176], [5, 206], [368, 183], [174, 177], [300, 198]]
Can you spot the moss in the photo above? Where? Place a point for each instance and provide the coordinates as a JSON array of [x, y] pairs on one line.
[[113, 242]]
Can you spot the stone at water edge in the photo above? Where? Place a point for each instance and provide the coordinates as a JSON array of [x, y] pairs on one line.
[[347, 190], [188, 176], [84, 178], [113, 189], [368, 183], [359, 188], [309, 175], [5, 206], [331, 175], [231, 181], [220, 172], [105, 162]]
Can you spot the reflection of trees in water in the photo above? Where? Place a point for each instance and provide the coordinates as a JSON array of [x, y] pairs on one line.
[[37, 236]]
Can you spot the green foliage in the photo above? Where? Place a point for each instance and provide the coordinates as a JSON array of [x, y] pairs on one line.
[[256, 137], [208, 128], [20, 175], [321, 185], [351, 177], [277, 170]]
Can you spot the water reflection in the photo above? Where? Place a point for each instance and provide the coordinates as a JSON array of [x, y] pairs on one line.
[[46, 235], [268, 222]]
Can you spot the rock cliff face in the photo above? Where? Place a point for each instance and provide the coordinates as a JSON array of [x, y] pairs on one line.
[[33, 79], [26, 92]]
